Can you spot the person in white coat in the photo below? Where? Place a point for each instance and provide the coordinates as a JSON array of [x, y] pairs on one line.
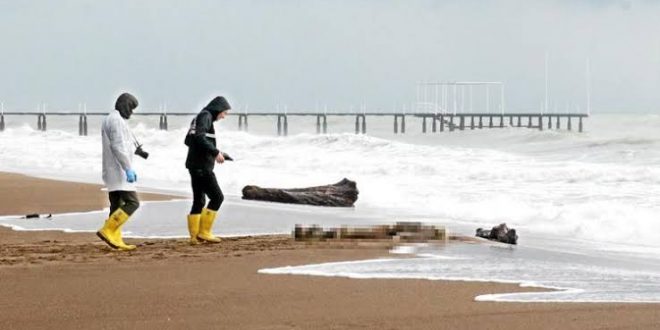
[[118, 174]]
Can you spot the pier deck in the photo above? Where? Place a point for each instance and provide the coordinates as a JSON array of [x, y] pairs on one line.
[[435, 122]]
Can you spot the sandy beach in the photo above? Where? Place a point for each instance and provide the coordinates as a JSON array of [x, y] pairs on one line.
[[58, 280]]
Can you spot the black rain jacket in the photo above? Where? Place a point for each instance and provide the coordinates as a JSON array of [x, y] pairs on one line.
[[201, 139]]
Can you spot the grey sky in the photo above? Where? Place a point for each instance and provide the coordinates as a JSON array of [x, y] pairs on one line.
[[298, 53]]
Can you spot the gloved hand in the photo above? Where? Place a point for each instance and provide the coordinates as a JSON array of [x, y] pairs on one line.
[[131, 176]]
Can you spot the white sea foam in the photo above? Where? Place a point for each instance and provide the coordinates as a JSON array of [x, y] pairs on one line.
[[567, 278], [543, 182]]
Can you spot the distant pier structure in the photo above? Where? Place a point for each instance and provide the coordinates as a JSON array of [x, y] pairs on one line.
[[441, 106], [456, 106]]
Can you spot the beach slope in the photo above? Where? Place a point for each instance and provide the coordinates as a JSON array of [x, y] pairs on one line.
[[57, 280]]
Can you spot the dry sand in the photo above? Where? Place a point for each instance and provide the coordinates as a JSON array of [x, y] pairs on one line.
[[59, 281]]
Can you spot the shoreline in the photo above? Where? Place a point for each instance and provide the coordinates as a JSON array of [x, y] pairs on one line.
[[64, 280]]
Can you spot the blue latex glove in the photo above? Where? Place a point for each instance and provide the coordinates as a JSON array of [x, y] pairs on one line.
[[131, 176]]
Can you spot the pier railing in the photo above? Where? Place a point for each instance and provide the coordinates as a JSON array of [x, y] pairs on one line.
[[438, 122]]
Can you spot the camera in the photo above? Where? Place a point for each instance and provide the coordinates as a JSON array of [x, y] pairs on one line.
[[141, 153]]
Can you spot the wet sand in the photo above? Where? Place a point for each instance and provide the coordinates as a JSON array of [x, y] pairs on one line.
[[21, 194], [57, 280]]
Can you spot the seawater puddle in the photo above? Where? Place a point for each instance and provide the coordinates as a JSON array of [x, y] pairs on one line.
[[167, 219]]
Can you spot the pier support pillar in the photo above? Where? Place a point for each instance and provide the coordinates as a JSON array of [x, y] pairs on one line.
[[558, 122], [403, 124], [279, 125], [471, 122], [364, 124], [519, 122], [396, 124], [510, 121], [325, 124], [434, 126], [82, 125], [442, 123], [549, 122], [242, 122], [423, 124], [570, 127], [41, 122], [360, 127], [162, 125], [2, 122], [451, 123], [529, 121], [85, 125], [462, 122], [580, 125], [481, 122], [286, 126], [490, 121], [540, 123], [282, 125], [501, 121]]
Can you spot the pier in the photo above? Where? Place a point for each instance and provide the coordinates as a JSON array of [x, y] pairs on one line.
[[441, 106], [430, 122]]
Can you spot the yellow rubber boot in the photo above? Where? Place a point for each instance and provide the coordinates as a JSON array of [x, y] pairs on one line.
[[205, 225], [111, 231], [193, 227]]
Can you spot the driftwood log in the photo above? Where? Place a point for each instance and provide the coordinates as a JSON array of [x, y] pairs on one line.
[[500, 233], [343, 193]]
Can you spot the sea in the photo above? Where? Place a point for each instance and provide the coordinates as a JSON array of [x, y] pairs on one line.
[[586, 206]]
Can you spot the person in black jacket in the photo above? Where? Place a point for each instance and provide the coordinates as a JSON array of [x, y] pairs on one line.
[[202, 156]]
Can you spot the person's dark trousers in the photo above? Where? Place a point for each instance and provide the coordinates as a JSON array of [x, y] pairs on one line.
[[126, 200], [205, 184]]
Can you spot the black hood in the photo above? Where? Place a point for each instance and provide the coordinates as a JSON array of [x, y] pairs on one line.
[[217, 105], [125, 104]]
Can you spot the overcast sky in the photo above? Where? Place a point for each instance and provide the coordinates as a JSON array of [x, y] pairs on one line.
[[339, 53]]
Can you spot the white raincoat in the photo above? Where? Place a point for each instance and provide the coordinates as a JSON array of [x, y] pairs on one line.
[[117, 152]]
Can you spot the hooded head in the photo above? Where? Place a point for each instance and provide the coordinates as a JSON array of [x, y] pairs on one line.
[[217, 105], [125, 104]]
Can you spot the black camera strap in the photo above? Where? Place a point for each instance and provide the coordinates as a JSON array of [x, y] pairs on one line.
[[135, 141]]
